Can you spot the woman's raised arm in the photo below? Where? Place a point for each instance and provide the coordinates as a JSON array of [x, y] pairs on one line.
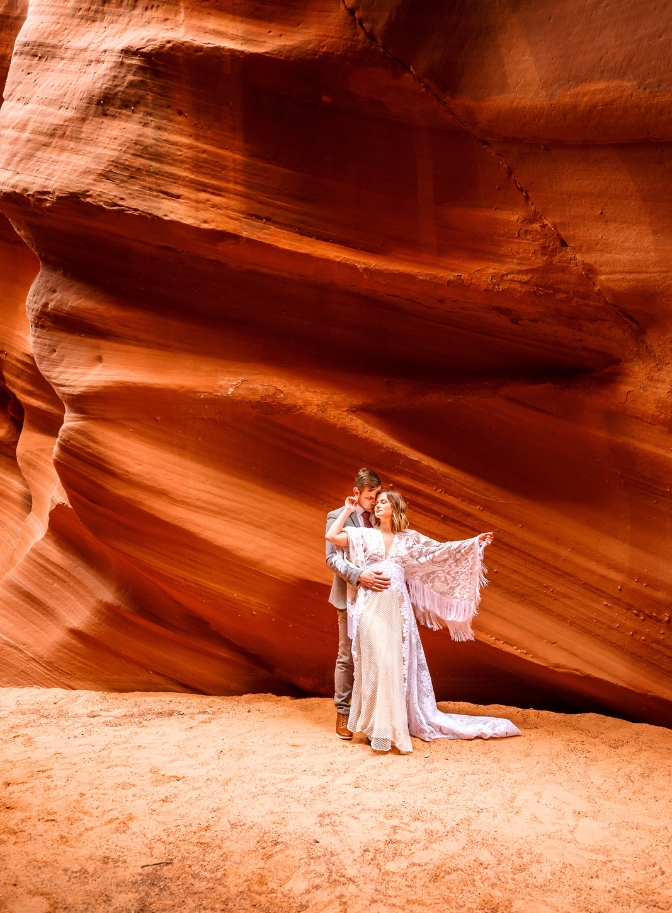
[[335, 532]]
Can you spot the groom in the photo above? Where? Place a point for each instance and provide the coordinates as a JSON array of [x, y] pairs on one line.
[[367, 485]]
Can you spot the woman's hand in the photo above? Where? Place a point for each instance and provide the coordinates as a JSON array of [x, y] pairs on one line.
[[486, 538], [335, 532]]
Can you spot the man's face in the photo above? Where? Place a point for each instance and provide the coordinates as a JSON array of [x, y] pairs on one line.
[[366, 498]]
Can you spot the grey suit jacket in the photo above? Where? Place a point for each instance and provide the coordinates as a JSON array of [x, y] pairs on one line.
[[344, 571]]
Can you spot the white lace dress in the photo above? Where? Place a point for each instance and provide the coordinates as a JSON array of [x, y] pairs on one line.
[[393, 697]]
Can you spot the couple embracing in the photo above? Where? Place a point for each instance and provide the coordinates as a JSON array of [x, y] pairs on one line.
[[387, 578]]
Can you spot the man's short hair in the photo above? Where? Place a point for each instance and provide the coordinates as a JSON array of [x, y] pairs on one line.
[[367, 478]]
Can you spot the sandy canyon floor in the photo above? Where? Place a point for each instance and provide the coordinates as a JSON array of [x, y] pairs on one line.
[[153, 803]]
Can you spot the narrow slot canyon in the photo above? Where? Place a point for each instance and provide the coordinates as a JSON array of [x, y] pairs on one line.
[[244, 252]]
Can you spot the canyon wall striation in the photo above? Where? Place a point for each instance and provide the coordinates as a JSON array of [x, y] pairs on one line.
[[249, 247]]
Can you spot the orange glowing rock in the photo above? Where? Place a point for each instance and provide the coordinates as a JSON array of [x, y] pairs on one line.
[[280, 242]]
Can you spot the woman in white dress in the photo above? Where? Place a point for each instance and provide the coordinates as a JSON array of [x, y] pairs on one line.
[[393, 697]]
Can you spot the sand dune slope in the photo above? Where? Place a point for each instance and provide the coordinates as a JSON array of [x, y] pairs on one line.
[[156, 802]]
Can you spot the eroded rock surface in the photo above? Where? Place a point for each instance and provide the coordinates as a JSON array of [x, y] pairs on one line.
[[278, 241]]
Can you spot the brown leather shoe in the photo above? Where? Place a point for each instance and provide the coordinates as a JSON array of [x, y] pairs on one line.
[[342, 730]]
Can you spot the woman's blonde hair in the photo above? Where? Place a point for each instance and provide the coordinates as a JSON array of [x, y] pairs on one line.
[[398, 505]]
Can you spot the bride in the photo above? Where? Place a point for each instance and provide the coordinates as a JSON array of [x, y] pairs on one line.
[[393, 697]]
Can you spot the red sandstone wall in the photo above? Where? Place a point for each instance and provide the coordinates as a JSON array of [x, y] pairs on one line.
[[278, 241]]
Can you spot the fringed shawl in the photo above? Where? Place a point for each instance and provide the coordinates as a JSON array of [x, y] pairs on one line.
[[444, 579]]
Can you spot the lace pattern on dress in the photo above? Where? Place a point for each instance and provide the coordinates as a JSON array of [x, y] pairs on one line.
[[444, 580]]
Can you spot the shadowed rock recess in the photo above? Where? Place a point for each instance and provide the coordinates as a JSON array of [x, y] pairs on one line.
[[250, 247]]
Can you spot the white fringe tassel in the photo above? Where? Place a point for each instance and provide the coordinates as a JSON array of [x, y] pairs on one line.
[[438, 612], [481, 580]]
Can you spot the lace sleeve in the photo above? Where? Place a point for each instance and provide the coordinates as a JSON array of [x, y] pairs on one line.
[[355, 552], [444, 581]]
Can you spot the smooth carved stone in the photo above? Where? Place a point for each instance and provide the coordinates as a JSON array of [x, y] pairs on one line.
[[279, 242]]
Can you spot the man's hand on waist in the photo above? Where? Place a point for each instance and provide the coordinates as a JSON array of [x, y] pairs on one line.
[[373, 580]]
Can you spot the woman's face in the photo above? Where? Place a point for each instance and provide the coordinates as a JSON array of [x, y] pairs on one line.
[[383, 508]]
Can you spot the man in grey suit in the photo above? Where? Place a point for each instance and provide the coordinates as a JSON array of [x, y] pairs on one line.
[[367, 485]]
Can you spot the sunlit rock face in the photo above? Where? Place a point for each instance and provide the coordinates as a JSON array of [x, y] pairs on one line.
[[280, 241]]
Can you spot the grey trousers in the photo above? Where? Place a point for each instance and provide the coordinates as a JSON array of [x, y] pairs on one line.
[[344, 673]]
